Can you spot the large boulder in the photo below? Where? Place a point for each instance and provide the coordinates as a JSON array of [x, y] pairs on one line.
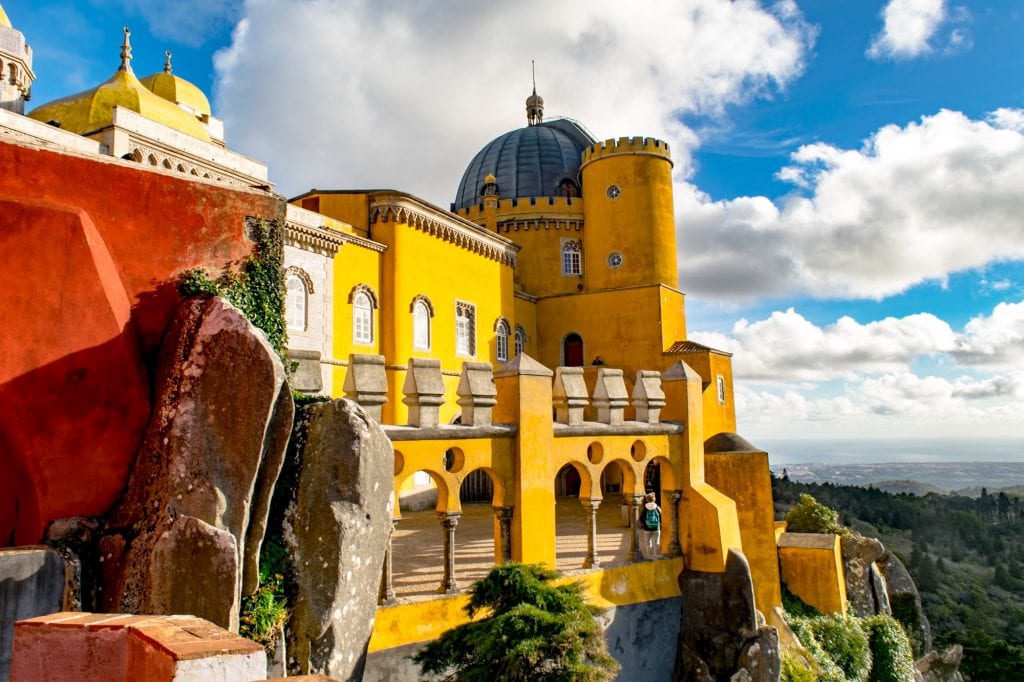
[[906, 602], [944, 667], [859, 557], [336, 527], [720, 635], [190, 525]]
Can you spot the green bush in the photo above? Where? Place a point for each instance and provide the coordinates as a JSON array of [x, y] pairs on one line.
[[838, 645], [810, 516], [535, 631], [265, 612], [892, 658], [794, 669]]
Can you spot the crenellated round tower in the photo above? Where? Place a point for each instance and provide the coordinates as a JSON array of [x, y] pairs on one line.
[[629, 214], [16, 74]]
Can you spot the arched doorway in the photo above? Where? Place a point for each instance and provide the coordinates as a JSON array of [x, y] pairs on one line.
[[572, 350], [476, 549]]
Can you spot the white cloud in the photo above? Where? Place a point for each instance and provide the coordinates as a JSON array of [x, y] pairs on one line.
[[908, 27], [361, 94], [913, 204], [996, 340], [788, 347]]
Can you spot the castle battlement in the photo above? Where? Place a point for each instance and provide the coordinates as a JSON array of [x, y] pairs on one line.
[[627, 145], [525, 205]]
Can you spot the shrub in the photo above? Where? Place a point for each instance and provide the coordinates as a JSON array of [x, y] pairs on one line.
[[535, 631], [838, 645], [265, 612], [794, 669], [810, 516], [892, 658]]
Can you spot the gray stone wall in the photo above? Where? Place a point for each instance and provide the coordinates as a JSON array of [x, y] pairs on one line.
[[642, 638], [31, 584]]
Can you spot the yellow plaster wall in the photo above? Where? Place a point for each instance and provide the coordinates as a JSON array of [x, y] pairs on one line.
[[353, 265], [349, 207], [403, 624], [417, 263], [493, 454], [639, 223], [745, 478], [526, 315], [622, 326], [812, 568], [718, 417], [673, 317]]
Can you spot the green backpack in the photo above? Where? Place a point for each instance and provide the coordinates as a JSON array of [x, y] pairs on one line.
[[652, 519]]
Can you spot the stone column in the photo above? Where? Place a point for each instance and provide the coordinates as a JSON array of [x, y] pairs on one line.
[[387, 588], [591, 505], [674, 548], [424, 391], [366, 383], [504, 517], [448, 522], [610, 398], [636, 502]]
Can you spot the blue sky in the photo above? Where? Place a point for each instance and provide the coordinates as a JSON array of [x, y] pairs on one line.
[[848, 174]]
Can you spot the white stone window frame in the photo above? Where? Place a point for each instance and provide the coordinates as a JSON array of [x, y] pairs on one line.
[[519, 341], [465, 329], [502, 332], [364, 301], [422, 311], [305, 282], [572, 258], [720, 388]]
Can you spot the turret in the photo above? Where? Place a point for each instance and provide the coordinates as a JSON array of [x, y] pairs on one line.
[[629, 214], [16, 74]]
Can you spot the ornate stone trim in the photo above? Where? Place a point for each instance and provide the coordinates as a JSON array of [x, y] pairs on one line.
[[365, 289], [420, 298], [316, 239], [307, 281], [508, 325], [541, 224], [447, 226]]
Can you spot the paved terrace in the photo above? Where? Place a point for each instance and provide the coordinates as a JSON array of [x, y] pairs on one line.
[[417, 548]]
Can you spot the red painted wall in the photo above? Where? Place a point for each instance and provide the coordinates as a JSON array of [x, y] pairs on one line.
[[90, 249]]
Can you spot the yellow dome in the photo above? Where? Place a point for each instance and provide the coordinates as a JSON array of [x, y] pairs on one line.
[[89, 111], [4, 21], [177, 90]]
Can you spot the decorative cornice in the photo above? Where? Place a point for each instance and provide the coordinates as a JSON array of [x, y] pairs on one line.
[[447, 226], [312, 238], [356, 240], [558, 225]]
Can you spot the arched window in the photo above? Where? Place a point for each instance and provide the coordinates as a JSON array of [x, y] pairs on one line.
[[295, 303], [572, 263], [520, 340], [421, 325], [362, 318], [465, 329], [572, 350], [501, 334]]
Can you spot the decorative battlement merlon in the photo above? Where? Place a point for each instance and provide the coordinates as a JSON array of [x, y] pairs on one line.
[[627, 145]]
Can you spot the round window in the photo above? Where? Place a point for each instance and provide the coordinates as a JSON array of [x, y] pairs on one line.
[[614, 191], [614, 259]]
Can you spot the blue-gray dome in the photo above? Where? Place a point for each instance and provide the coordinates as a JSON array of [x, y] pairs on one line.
[[528, 162]]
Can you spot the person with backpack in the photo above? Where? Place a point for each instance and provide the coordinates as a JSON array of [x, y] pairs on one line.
[[650, 522]]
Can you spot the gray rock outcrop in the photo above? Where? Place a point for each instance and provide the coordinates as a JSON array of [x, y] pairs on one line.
[[189, 528], [336, 528], [906, 602], [944, 667], [865, 587], [720, 637], [32, 582]]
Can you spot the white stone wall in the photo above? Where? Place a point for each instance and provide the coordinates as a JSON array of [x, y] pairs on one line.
[[318, 335]]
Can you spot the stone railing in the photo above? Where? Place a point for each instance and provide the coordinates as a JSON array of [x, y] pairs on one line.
[[574, 404]]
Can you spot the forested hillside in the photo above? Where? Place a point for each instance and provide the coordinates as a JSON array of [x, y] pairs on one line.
[[966, 556]]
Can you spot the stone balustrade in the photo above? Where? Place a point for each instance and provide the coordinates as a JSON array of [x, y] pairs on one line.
[[425, 394]]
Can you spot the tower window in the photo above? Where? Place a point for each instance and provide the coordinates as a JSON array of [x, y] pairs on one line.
[[572, 261], [520, 341], [501, 334], [362, 317], [613, 191], [421, 325], [720, 385], [295, 304], [465, 329]]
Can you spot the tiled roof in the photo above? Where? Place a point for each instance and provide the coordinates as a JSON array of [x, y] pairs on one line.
[[684, 347]]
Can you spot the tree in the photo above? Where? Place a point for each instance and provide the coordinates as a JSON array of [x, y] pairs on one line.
[[535, 631], [810, 516]]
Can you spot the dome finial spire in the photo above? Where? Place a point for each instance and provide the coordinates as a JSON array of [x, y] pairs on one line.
[[167, 61], [534, 103], [126, 51]]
